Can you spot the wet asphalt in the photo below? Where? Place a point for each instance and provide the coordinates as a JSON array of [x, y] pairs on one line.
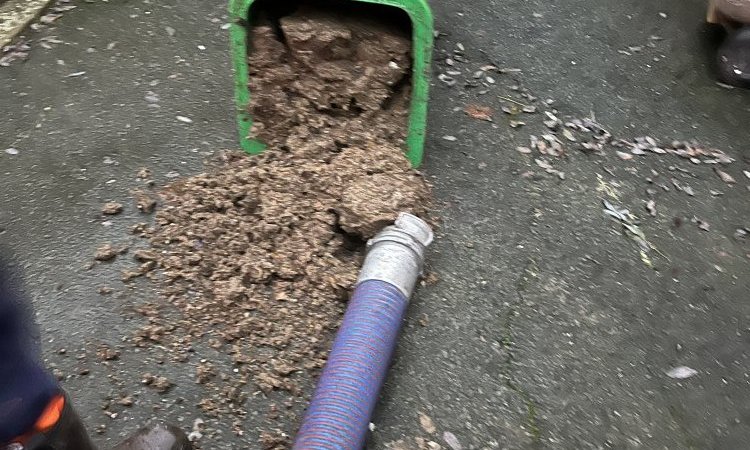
[[545, 328]]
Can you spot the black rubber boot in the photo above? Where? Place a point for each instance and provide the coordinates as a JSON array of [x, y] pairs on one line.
[[733, 58], [70, 434]]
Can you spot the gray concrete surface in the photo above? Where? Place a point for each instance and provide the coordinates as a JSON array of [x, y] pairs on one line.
[[545, 329]]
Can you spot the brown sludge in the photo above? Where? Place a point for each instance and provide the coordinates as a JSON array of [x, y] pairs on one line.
[[260, 254]]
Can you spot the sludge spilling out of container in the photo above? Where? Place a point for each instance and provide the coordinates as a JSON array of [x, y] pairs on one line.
[[342, 29]]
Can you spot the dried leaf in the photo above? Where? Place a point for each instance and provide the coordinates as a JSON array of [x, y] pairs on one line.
[[452, 440], [702, 224], [646, 260], [651, 207], [624, 156], [681, 372], [524, 150], [426, 422], [516, 123], [569, 135], [449, 81], [479, 112], [543, 164], [747, 174], [725, 177]]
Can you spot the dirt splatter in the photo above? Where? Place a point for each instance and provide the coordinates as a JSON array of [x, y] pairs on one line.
[[108, 252], [111, 208], [160, 384]]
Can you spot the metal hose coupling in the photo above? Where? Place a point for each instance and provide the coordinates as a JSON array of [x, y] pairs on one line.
[[396, 254]]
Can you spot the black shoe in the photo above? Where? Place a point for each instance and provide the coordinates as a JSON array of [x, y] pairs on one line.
[[67, 434], [158, 437], [733, 58]]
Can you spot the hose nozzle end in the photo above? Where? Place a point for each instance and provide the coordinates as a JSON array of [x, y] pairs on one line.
[[396, 254], [416, 227]]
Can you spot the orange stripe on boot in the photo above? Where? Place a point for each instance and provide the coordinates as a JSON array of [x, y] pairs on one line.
[[46, 421], [51, 415]]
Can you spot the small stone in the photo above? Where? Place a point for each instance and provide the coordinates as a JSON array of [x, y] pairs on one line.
[[105, 290], [144, 173], [111, 208], [107, 252]]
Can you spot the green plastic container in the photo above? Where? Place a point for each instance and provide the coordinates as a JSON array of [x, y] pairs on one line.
[[422, 40]]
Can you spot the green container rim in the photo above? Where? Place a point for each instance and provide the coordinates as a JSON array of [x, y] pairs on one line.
[[422, 41]]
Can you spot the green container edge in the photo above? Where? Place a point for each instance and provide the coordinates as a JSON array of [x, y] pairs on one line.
[[422, 41]]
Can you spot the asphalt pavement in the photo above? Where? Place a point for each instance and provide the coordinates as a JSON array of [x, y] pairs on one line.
[[545, 330]]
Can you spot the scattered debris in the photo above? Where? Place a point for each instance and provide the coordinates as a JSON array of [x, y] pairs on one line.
[[107, 252], [144, 173], [419, 444], [184, 119], [426, 423], [18, 51], [204, 372], [447, 80], [126, 401], [725, 177], [651, 208], [451, 440], [479, 112], [450, 138], [624, 156], [145, 202], [198, 428], [544, 164], [702, 224], [681, 372], [11, 151], [105, 353], [160, 384], [632, 230], [568, 135], [552, 122], [143, 269], [112, 208]]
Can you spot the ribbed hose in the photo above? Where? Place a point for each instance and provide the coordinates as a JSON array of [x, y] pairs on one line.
[[339, 415]]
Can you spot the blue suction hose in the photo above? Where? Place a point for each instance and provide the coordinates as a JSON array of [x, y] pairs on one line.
[[339, 414]]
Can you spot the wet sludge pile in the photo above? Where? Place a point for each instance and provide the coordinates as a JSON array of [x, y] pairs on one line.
[[259, 254]]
